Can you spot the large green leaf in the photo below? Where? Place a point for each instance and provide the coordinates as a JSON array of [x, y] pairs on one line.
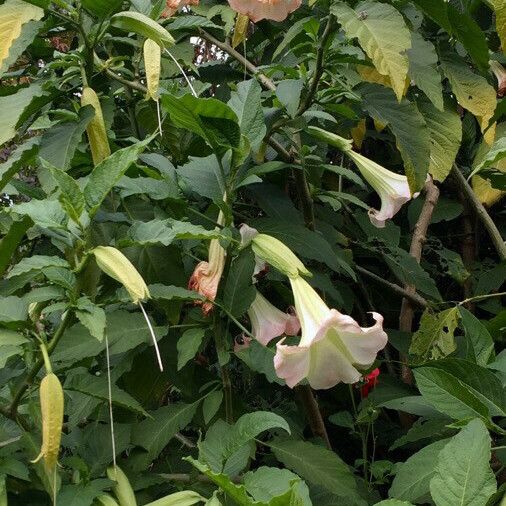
[[317, 465], [10, 241], [13, 311], [204, 176], [500, 19], [383, 35], [412, 479], [461, 389], [36, 263], [13, 15], [423, 69], [247, 104], [209, 118], [480, 347], [18, 158], [459, 24], [136, 22], [154, 433], [188, 345], [59, 142], [407, 124], [108, 172], [239, 292], [463, 475], [12, 107], [97, 387], [445, 131]]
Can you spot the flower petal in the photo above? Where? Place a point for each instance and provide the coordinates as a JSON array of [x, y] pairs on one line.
[[256, 10], [291, 363]]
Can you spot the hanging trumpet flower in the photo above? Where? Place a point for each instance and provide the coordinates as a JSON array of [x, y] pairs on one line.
[[268, 322], [206, 276], [256, 10], [392, 188], [333, 347]]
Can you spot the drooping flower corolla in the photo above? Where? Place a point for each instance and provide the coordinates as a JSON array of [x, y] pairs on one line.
[[333, 347], [500, 74], [256, 10], [268, 322], [173, 5], [273, 251], [393, 189]]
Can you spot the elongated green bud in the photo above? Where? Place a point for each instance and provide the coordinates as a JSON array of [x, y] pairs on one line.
[[333, 139], [105, 500], [185, 498], [152, 61], [97, 135], [122, 489], [117, 266]]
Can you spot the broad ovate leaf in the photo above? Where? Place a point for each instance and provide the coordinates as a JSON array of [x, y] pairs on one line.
[[382, 33]]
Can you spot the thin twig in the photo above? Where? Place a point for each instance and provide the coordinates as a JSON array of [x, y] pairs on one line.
[[415, 250], [413, 297], [481, 212], [264, 80], [306, 104]]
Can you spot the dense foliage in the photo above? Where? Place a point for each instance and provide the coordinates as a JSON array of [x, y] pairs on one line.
[[252, 253]]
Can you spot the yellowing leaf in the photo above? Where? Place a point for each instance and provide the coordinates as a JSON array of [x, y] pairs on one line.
[[240, 29], [500, 20], [371, 75], [382, 33], [358, 133], [13, 14], [152, 61], [472, 90]]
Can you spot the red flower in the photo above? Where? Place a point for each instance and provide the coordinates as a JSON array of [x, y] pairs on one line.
[[370, 381]]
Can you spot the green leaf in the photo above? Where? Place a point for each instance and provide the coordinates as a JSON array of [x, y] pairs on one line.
[[59, 142], [164, 292], [97, 387], [13, 15], [168, 230], [412, 479], [246, 102], [434, 338], [288, 92], [317, 465], [500, 19], [11, 240], [13, 311], [154, 433], [407, 124], [393, 502], [480, 347], [188, 345], [423, 429], [211, 405], [92, 317], [204, 176], [445, 131], [239, 292], [493, 155], [472, 90], [374, 24], [36, 263], [209, 118], [101, 9], [18, 159], [423, 69], [125, 331], [12, 107], [461, 389], [260, 359], [463, 475], [249, 426], [81, 495], [71, 196], [140, 24], [461, 26], [108, 172]]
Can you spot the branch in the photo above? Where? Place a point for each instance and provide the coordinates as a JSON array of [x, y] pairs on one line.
[[319, 66], [131, 84], [264, 80], [481, 212], [413, 297], [415, 250], [12, 410]]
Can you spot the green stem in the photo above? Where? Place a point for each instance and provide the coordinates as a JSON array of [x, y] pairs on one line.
[[481, 297], [45, 356], [13, 408]]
